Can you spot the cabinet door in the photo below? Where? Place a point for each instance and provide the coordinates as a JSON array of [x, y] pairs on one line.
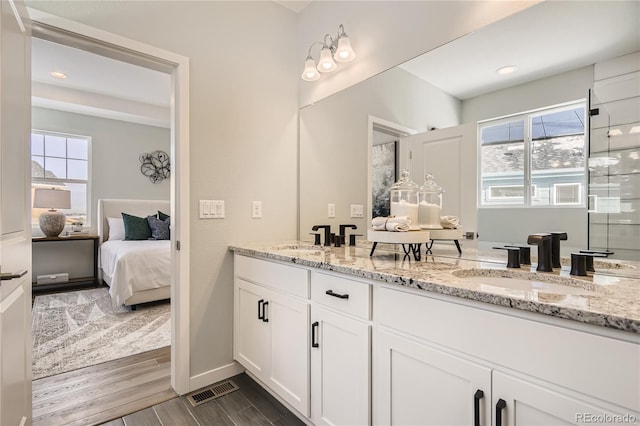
[[340, 369], [251, 332], [289, 373], [523, 403], [416, 384]]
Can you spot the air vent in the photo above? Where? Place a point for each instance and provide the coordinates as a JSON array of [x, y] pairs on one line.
[[213, 392]]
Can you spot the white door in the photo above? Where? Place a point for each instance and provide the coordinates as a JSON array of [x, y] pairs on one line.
[[340, 369], [15, 230], [450, 155], [289, 373], [251, 340], [420, 385], [520, 403]]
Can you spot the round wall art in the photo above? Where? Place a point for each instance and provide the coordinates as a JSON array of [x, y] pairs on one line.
[[155, 166]]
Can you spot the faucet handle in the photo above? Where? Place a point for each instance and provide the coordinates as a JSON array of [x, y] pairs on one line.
[[352, 239], [525, 253], [316, 238], [590, 254], [513, 256]]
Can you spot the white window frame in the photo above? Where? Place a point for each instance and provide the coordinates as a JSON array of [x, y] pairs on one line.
[[555, 193], [37, 182], [529, 188]]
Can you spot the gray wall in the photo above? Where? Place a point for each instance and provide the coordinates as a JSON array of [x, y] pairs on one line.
[[243, 134], [514, 224], [115, 148]]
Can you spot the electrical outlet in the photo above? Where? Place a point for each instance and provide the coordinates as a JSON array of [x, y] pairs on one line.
[[256, 209], [357, 210], [331, 210]]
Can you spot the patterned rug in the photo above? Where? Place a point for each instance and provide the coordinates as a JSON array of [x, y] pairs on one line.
[[81, 328]]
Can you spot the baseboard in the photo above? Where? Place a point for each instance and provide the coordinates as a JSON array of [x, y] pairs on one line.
[[213, 376]]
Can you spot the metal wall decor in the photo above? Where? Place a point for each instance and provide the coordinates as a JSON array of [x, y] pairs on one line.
[[155, 166]]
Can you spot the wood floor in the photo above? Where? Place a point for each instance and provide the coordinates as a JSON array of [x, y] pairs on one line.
[[136, 391]]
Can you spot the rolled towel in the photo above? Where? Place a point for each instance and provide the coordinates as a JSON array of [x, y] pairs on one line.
[[449, 222], [392, 223]]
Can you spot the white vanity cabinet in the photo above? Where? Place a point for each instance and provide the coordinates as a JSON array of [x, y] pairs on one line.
[[271, 326], [340, 350], [434, 355]]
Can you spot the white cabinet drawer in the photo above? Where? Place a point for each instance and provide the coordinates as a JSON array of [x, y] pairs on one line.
[[289, 279], [348, 296]]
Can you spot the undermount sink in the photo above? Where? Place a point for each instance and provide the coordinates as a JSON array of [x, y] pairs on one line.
[[526, 281]]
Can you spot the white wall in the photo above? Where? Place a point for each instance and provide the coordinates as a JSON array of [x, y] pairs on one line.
[[243, 134], [515, 224], [334, 140], [387, 33], [115, 148]]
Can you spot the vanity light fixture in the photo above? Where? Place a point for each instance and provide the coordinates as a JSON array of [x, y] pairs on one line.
[[58, 74], [508, 69], [338, 49]]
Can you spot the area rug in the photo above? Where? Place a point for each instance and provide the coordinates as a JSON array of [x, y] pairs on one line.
[[81, 328]]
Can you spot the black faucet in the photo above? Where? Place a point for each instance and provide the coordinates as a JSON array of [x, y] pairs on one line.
[[543, 241], [556, 237], [595, 253], [513, 256], [343, 234], [327, 233]]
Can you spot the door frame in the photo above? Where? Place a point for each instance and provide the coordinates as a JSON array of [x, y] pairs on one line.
[[180, 289]]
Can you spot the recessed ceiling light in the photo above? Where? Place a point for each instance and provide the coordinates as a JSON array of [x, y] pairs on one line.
[[57, 74], [509, 69]]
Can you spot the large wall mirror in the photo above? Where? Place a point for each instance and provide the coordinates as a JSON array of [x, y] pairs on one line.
[[554, 45]]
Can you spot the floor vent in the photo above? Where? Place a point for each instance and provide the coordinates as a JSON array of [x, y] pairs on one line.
[[213, 392]]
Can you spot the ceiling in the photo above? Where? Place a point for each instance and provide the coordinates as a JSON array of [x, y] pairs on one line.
[[548, 38]]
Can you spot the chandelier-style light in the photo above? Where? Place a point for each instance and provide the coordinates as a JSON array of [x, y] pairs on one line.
[[338, 49]]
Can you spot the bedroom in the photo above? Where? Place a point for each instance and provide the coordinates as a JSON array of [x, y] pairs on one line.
[[115, 122]]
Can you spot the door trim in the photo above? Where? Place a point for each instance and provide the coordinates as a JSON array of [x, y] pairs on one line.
[[180, 297]]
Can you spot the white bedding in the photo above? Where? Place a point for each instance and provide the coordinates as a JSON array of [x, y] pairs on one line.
[[132, 266]]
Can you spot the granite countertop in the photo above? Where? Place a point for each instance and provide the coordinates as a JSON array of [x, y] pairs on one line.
[[608, 298]]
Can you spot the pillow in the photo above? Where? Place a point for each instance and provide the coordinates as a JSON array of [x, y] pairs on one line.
[[116, 228], [136, 228], [160, 229], [162, 216]]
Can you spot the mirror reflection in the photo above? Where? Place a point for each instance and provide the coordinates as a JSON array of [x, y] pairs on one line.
[[450, 111]]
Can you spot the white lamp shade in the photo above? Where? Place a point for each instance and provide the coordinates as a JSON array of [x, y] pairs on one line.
[[326, 62], [49, 198], [310, 72], [344, 52]]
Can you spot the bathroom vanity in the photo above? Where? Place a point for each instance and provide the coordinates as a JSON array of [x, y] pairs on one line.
[[345, 338]]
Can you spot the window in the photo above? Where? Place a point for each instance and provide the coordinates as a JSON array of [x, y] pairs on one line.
[[534, 159], [63, 161]]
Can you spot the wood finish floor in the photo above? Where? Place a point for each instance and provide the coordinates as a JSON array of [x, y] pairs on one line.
[[136, 391]]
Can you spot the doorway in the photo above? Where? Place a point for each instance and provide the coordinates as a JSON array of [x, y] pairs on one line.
[[112, 46]]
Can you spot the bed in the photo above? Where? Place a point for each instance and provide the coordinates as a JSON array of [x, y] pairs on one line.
[[135, 271]]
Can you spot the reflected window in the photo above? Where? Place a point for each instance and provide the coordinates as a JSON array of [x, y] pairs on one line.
[[534, 159], [62, 160]]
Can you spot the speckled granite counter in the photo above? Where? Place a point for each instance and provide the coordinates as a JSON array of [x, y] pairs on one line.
[[604, 299]]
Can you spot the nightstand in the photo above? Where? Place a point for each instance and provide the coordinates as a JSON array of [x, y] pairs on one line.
[[66, 240]]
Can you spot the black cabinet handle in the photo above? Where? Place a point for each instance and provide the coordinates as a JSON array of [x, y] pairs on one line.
[[264, 312], [339, 296], [314, 327], [500, 405], [476, 406], [6, 276], [260, 311]]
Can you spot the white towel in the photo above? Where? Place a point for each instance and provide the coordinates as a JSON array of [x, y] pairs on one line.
[[449, 222], [392, 223]]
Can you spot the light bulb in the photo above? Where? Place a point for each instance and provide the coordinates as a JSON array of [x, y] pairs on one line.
[[326, 63], [344, 52], [310, 73]]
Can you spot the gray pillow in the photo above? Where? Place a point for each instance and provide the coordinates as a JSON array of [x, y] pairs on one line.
[[160, 229]]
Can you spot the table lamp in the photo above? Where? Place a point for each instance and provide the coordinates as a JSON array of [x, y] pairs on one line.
[[52, 221]]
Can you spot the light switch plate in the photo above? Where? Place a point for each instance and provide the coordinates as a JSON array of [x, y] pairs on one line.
[[357, 210], [331, 210], [211, 209], [256, 209]]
